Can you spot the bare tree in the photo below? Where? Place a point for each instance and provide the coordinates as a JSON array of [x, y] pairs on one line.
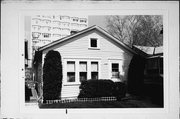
[[142, 30]]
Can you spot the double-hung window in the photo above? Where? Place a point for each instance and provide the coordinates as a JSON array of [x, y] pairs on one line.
[[83, 71], [94, 70], [71, 71], [115, 70]]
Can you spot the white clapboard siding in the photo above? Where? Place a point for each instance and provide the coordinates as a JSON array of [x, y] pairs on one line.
[[70, 91], [79, 47]]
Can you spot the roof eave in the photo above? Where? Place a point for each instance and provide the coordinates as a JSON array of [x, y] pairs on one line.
[[84, 31], [65, 38]]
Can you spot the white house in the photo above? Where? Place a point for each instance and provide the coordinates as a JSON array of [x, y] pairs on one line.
[[89, 54]]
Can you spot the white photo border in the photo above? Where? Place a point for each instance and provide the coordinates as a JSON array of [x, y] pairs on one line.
[[96, 8]]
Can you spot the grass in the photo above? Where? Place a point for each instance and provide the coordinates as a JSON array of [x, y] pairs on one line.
[[103, 104]]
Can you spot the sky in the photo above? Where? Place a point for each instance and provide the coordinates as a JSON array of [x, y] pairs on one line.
[[97, 20]]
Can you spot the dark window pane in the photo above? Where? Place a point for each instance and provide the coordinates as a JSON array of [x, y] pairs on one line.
[[93, 42], [70, 76], [94, 75], [115, 70], [115, 67], [83, 76]]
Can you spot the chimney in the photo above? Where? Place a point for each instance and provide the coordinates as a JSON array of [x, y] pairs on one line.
[[73, 32]]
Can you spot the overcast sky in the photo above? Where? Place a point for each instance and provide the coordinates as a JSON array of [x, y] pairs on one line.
[[92, 20], [97, 20]]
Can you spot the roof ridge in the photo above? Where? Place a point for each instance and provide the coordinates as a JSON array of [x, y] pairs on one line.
[[86, 30], [67, 36]]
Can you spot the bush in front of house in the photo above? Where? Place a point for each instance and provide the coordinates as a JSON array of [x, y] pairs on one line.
[[96, 88], [120, 90], [102, 88], [52, 76]]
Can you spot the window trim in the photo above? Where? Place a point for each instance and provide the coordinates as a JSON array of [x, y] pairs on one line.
[[71, 71], [86, 62], [65, 71], [91, 62], [77, 69], [98, 43], [114, 71], [121, 65]]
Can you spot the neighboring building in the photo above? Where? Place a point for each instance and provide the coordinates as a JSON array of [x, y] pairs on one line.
[[28, 50], [154, 67], [48, 28], [153, 74], [89, 54], [27, 42], [154, 63], [42, 29]]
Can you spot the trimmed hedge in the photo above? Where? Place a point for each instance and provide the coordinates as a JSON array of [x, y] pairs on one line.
[[102, 88], [52, 76]]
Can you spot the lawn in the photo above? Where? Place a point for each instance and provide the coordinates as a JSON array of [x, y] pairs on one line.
[[103, 104]]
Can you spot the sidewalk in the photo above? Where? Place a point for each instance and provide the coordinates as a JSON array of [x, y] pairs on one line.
[[34, 93]]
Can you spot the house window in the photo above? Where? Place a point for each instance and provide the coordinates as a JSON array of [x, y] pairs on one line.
[[93, 42], [46, 35], [94, 70], [83, 20], [35, 34], [75, 19], [83, 71], [70, 71], [115, 70]]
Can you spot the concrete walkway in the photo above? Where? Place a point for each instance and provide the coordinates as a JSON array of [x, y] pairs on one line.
[[34, 93]]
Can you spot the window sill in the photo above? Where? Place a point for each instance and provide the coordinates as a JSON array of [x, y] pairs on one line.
[[71, 84], [91, 48]]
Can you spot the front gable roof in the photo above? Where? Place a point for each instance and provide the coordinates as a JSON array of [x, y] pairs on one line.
[[85, 31]]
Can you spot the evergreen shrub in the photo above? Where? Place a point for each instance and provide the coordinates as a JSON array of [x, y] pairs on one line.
[[120, 90], [52, 76], [135, 80]]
